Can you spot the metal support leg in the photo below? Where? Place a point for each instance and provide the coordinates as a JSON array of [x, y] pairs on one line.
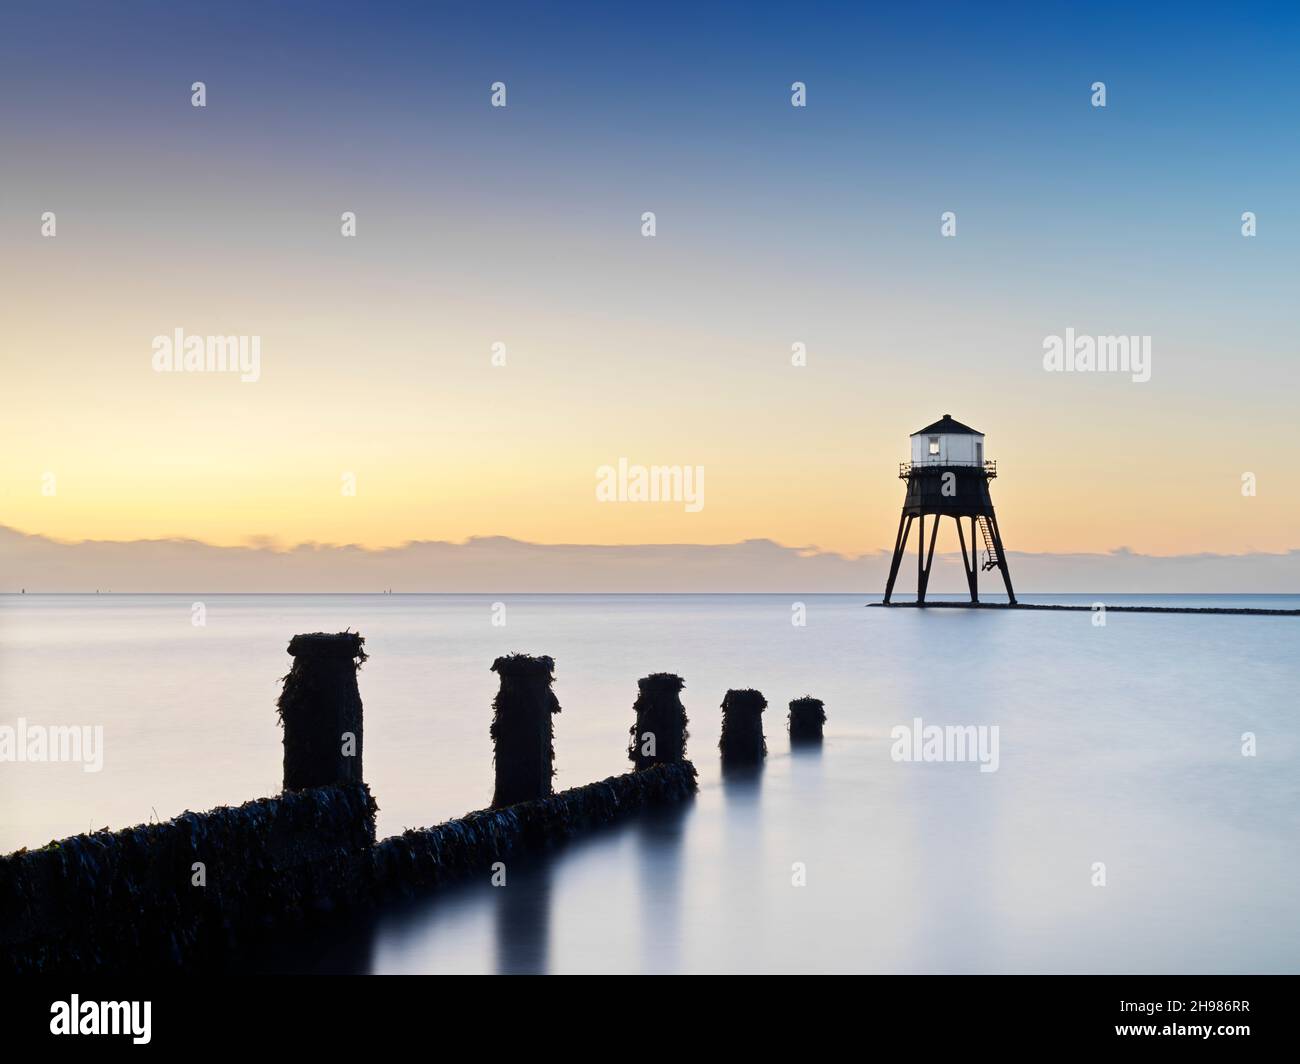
[[900, 541], [1002, 558], [924, 579], [920, 563], [968, 566]]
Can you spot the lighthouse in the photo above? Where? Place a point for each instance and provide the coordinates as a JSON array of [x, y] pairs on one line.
[[948, 476]]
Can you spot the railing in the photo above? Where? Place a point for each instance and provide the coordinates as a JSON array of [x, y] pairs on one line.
[[905, 469]]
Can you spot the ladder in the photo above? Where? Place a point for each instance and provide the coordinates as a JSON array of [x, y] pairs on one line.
[[991, 558]]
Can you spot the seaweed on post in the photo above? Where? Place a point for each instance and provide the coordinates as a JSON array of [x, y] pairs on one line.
[[742, 739], [807, 716], [522, 729], [658, 735], [320, 710]]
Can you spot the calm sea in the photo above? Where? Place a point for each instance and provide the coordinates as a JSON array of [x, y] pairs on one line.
[[1119, 745]]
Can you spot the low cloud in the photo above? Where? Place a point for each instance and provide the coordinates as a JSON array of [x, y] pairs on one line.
[[499, 564]]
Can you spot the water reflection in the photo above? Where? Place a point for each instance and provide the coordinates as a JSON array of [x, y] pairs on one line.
[[659, 836], [522, 924], [742, 779], [807, 774]]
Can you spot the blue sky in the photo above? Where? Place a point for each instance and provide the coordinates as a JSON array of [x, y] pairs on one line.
[[776, 224]]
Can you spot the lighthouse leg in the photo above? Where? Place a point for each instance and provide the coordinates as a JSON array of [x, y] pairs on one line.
[[967, 566], [920, 563], [900, 541], [923, 580], [1002, 558], [974, 565]]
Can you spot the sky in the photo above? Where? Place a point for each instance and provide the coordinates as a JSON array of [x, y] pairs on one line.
[[522, 226]]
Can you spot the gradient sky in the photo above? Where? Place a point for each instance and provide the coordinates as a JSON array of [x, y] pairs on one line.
[[522, 225]]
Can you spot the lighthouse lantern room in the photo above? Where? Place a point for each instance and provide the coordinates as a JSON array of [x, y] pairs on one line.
[[948, 442], [949, 476]]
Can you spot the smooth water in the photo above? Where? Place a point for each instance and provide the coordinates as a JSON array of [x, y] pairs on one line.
[[1120, 744]]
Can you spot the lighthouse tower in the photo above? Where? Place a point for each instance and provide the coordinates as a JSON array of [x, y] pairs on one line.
[[949, 476]]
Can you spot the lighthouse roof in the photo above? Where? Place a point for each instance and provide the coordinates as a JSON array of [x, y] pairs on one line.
[[947, 426]]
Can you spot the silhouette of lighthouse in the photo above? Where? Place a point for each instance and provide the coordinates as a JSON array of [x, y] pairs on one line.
[[948, 476]]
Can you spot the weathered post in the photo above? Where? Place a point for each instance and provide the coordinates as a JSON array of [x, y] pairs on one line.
[[658, 736], [522, 730], [742, 739], [807, 715], [320, 710]]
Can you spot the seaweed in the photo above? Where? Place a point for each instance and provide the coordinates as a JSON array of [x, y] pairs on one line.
[[321, 703], [807, 716], [660, 713], [742, 740], [429, 857], [523, 735], [126, 900]]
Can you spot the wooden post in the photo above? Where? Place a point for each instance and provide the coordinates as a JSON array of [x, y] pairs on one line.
[[658, 735], [320, 710], [742, 739], [522, 731], [807, 716]]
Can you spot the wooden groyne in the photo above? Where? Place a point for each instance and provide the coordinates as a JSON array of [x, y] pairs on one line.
[[183, 892], [186, 893], [432, 856], [129, 901], [1241, 611]]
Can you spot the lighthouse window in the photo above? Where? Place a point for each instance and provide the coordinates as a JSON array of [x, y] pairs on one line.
[[934, 444]]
